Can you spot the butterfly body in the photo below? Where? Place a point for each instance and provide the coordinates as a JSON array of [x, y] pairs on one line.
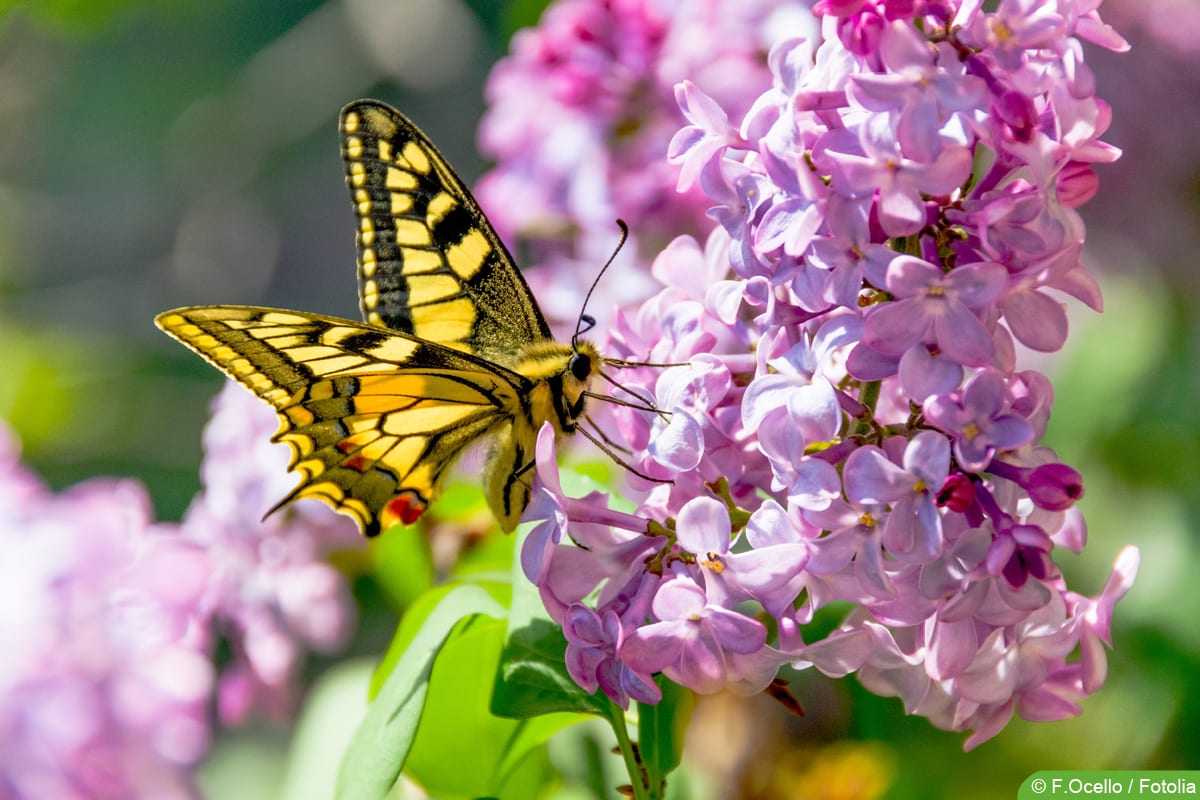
[[454, 349]]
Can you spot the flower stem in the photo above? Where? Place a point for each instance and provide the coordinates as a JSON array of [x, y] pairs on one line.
[[629, 752], [868, 395]]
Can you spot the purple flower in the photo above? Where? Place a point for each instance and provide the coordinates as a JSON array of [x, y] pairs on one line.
[[848, 252], [913, 529], [977, 420], [694, 641], [546, 508], [1024, 670], [1017, 27], [107, 678], [855, 539], [874, 164], [849, 422], [591, 657], [765, 573], [271, 587], [610, 558], [1017, 227], [740, 195], [790, 412], [581, 114], [791, 409], [1037, 320], [1019, 552], [926, 370], [918, 87], [697, 145], [936, 308], [1053, 485], [688, 394], [1095, 616], [605, 547]]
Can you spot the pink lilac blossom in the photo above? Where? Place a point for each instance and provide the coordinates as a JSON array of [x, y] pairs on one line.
[[849, 422], [580, 114], [272, 594], [110, 620], [107, 674]]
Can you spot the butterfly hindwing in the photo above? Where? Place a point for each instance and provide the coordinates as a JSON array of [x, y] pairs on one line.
[[429, 262], [373, 417]]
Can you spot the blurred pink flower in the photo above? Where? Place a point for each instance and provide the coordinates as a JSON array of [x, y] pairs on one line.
[[580, 116], [106, 678], [272, 592]]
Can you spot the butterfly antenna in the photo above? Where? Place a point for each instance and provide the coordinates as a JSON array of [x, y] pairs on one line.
[[621, 363], [587, 321]]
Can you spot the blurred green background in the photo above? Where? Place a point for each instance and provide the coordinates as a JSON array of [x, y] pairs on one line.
[[155, 154]]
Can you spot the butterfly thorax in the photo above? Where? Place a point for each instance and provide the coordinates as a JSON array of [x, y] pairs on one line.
[[558, 375], [561, 373]]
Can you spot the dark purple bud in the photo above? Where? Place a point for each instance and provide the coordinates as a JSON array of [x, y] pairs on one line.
[[957, 493], [1055, 487]]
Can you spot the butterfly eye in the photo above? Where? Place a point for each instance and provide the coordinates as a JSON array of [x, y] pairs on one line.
[[580, 366]]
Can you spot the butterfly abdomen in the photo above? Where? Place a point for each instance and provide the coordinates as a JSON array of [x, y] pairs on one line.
[[559, 374]]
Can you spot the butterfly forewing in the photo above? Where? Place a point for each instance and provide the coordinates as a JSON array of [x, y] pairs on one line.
[[373, 417], [429, 262]]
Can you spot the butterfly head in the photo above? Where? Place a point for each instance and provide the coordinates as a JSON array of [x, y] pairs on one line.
[[582, 365]]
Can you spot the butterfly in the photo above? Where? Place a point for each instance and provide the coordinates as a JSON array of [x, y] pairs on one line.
[[454, 349]]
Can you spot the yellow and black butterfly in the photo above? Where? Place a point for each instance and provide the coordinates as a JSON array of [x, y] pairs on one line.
[[454, 347]]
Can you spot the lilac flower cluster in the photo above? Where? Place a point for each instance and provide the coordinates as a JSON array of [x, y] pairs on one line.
[[110, 620], [581, 113], [106, 677], [272, 590], [852, 426]]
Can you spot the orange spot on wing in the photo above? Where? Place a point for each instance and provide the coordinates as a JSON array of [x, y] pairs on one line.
[[407, 507]]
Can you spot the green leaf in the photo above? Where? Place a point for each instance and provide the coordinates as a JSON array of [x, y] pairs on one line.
[[333, 708], [414, 619], [506, 757], [381, 745], [661, 729], [410, 626], [532, 678]]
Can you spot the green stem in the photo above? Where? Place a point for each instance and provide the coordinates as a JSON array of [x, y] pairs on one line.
[[637, 774], [868, 395]]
